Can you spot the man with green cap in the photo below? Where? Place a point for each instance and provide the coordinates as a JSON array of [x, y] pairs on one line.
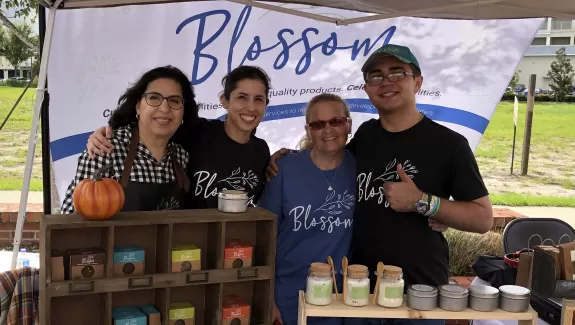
[[408, 168]]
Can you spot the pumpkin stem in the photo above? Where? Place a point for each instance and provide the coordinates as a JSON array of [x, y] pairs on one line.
[[99, 172]]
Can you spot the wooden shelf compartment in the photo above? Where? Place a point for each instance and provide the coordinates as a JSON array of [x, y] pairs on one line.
[[338, 309], [158, 232]]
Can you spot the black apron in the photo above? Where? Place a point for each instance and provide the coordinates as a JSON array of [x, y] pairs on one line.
[[152, 196]]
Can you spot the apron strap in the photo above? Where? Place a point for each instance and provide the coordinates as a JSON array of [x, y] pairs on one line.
[[129, 162], [181, 177]]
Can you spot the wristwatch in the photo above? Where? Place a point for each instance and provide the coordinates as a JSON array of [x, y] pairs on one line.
[[422, 206]]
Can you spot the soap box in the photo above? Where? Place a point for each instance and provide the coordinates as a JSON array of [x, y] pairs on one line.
[[237, 255], [128, 260], [152, 313], [86, 263], [182, 313], [128, 316], [235, 311], [57, 265], [186, 258]]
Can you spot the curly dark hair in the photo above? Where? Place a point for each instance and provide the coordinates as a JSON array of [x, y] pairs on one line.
[[125, 114], [231, 80]]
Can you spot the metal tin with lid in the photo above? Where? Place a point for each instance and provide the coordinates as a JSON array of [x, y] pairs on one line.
[[483, 298], [514, 299], [233, 201], [453, 297], [421, 297]]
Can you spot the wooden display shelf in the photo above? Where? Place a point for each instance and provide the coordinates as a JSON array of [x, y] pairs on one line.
[[338, 309], [91, 301]]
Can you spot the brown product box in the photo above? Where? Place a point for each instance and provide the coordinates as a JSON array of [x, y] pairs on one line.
[[182, 313], [554, 252], [153, 315], [235, 311], [237, 255], [86, 263], [57, 266]]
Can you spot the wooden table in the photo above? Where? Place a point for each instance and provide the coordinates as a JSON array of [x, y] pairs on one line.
[[338, 309]]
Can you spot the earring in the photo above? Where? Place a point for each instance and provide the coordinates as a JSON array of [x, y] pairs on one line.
[[182, 121], [137, 116]]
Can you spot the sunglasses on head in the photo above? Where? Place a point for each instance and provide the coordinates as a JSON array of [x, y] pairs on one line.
[[334, 122]]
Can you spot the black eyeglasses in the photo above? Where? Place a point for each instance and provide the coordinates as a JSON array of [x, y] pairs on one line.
[[334, 122], [155, 100], [392, 77]]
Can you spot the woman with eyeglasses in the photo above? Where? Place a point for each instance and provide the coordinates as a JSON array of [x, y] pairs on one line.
[[314, 198], [224, 155], [144, 160]]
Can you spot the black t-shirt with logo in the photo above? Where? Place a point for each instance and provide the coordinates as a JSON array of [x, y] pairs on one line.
[[442, 163], [218, 163]]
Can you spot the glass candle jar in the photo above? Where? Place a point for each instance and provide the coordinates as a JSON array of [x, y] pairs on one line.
[[319, 285], [357, 286], [390, 293]]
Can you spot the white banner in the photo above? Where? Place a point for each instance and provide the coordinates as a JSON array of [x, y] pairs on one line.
[[97, 53]]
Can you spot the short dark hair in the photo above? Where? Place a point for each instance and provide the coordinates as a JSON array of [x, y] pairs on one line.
[[125, 114], [231, 80]]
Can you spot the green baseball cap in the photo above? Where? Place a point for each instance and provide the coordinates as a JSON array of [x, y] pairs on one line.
[[402, 53]]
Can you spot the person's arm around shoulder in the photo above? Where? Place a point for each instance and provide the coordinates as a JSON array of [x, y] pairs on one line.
[[86, 169], [272, 200], [272, 195], [471, 209]]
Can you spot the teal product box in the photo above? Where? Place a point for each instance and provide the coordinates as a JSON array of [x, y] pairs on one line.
[[129, 260], [129, 318], [154, 317], [122, 310]]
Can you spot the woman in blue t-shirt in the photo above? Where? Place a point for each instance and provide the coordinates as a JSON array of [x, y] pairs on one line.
[[314, 198]]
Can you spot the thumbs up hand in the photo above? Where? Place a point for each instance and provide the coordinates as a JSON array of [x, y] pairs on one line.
[[402, 195]]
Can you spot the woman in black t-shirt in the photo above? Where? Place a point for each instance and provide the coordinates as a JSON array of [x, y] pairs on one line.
[[223, 154]]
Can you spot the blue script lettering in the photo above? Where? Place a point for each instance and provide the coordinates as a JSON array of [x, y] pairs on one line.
[[327, 47]]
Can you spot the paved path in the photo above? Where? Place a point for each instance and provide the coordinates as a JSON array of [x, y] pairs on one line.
[[14, 197]]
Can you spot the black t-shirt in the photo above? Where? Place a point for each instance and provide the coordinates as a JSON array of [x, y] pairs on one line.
[[442, 164], [217, 163]]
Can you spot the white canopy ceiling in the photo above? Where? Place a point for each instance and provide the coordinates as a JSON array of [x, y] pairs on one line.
[[383, 9]]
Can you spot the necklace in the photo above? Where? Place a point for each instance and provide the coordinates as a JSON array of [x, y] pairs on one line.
[[328, 183]]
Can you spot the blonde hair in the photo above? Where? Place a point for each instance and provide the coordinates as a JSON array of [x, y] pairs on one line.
[[305, 142]]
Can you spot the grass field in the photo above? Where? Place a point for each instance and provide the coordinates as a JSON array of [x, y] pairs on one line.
[[550, 180]]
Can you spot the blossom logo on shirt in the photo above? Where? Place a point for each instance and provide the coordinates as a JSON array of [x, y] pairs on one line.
[[208, 185], [329, 213], [369, 188]]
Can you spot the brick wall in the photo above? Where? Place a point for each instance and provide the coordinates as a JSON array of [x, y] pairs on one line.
[[8, 217]]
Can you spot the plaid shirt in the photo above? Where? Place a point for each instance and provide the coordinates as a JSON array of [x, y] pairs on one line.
[[146, 169], [19, 291]]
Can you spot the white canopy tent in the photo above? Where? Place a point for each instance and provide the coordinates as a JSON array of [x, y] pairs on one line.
[[379, 9]]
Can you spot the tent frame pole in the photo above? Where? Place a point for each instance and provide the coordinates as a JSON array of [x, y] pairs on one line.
[[34, 131]]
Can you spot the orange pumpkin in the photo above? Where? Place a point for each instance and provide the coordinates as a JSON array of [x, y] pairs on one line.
[[100, 198]]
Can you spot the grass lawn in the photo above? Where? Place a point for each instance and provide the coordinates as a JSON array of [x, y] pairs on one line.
[[550, 180], [14, 140]]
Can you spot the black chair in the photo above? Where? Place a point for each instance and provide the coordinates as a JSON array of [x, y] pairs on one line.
[[529, 232]]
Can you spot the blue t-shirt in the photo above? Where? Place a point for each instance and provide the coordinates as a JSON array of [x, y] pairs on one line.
[[313, 223]]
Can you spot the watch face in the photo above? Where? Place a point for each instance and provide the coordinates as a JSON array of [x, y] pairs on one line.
[[421, 206]]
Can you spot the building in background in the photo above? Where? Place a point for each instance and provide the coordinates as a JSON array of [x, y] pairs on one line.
[[552, 35]]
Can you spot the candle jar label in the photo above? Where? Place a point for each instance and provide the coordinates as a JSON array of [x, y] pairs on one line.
[[321, 291], [393, 292], [359, 292]]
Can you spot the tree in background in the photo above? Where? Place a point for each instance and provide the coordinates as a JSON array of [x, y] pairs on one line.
[[14, 49], [561, 74], [20, 9], [515, 80]]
